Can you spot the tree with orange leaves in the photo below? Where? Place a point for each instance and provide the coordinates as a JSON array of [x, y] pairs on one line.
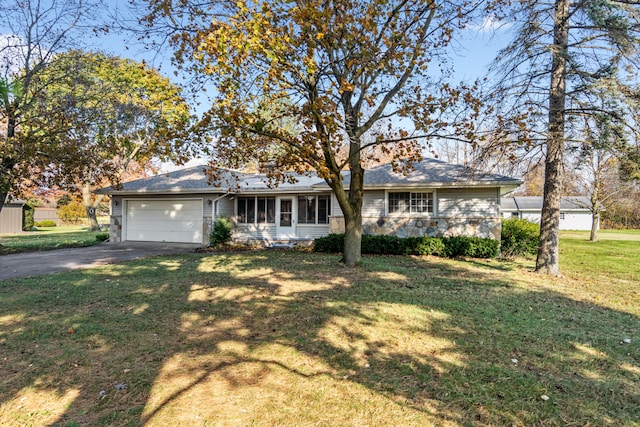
[[351, 75]]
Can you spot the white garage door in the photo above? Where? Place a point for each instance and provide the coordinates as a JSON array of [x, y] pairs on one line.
[[164, 221]]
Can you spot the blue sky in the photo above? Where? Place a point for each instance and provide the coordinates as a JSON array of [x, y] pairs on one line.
[[471, 54]]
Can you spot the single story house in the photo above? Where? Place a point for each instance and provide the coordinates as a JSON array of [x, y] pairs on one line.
[[575, 211], [435, 199], [11, 217]]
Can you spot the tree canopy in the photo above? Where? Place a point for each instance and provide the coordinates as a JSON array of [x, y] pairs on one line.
[[350, 74], [101, 113], [31, 33]]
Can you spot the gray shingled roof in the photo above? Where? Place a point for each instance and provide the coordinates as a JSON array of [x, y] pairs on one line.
[[433, 173], [429, 172], [189, 180], [534, 203], [508, 204]]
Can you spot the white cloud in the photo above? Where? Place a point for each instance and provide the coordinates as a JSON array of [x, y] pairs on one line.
[[491, 24], [11, 54]]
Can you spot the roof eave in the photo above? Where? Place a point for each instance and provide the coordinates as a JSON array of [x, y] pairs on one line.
[[473, 184], [172, 191]]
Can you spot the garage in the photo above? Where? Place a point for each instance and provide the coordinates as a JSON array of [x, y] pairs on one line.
[[178, 220]]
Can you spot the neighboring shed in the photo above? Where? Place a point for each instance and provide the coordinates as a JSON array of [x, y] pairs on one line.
[[11, 217], [575, 211]]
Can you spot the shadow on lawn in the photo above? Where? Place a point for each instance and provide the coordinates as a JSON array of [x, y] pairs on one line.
[[435, 338]]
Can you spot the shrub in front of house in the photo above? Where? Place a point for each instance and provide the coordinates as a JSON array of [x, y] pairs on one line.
[[382, 245], [221, 232], [426, 246], [474, 247], [46, 223], [391, 245], [519, 238], [332, 244], [102, 237]]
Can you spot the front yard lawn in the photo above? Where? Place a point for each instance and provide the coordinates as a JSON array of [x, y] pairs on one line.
[[291, 338], [48, 239]]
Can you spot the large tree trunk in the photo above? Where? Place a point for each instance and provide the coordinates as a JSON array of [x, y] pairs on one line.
[[548, 261], [7, 162], [3, 198], [353, 218], [595, 224], [595, 210], [352, 210], [93, 219], [352, 239], [91, 207]]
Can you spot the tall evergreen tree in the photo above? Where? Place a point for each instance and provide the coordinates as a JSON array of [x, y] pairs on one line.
[[562, 55]]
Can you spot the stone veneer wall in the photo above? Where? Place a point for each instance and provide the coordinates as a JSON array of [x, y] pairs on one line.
[[115, 229], [485, 227]]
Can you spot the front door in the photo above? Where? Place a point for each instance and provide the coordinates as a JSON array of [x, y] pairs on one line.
[[285, 218]]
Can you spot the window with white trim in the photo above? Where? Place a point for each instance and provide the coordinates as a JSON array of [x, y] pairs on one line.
[[257, 210], [404, 202], [314, 209]]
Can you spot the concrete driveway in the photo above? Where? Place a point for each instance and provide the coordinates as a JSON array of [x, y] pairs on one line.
[[36, 263]]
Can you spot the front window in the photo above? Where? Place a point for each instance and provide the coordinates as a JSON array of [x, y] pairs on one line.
[[407, 202], [246, 210], [422, 202], [399, 202], [314, 209], [324, 209], [257, 210], [266, 210]]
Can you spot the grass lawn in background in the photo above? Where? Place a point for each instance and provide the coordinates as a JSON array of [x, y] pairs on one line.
[[48, 238], [616, 254], [291, 338]]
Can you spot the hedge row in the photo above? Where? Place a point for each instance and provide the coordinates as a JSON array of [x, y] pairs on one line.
[[451, 247]]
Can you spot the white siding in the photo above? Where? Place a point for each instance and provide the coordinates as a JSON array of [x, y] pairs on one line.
[[573, 220], [207, 209], [335, 207], [255, 231], [576, 220], [531, 216], [116, 206], [308, 231], [467, 202], [372, 204], [226, 207]]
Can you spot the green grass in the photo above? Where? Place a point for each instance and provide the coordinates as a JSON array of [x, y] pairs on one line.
[[47, 239], [614, 255], [292, 338]]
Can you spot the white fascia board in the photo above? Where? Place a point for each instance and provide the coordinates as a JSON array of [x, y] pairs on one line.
[[163, 192], [502, 185]]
